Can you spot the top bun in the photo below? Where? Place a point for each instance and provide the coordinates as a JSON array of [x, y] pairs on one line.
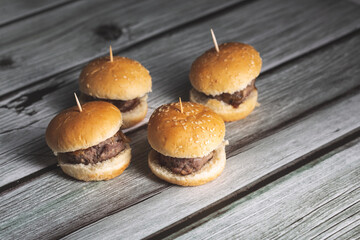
[[194, 133], [72, 130], [122, 79], [227, 71]]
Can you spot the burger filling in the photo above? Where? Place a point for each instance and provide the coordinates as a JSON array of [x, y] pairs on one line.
[[184, 166], [236, 98], [123, 106], [98, 153]]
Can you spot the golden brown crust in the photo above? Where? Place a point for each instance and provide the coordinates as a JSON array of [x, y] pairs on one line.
[[226, 111], [72, 130], [228, 71], [100, 171], [207, 173], [122, 79], [136, 115], [194, 133]]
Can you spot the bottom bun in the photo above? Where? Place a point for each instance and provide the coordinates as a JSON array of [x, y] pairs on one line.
[[226, 111], [207, 173], [105, 170], [136, 115]]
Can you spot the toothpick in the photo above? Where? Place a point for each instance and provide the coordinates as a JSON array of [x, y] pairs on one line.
[[181, 106], [78, 103], [214, 39], [111, 54]]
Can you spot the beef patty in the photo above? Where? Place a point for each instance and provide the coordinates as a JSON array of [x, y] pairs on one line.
[[236, 98], [98, 153], [123, 106], [184, 166]]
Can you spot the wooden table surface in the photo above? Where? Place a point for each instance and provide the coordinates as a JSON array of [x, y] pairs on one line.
[[293, 165]]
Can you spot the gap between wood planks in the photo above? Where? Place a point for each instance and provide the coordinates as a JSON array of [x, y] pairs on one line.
[[24, 180], [36, 12], [140, 42]]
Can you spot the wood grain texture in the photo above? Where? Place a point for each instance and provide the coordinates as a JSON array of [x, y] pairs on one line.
[[318, 201], [74, 204], [13, 10], [60, 39], [25, 114], [254, 161]]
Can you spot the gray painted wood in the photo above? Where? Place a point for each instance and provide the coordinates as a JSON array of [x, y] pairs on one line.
[[25, 115], [74, 204], [11, 10], [58, 40], [318, 201], [355, 1], [254, 161]]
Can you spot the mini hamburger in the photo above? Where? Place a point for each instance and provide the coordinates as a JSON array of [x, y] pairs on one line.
[[121, 81], [224, 80], [188, 146], [89, 143]]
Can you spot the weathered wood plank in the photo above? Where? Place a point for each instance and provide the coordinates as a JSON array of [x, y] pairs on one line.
[[74, 204], [254, 161], [12, 10], [24, 115], [318, 201], [58, 40]]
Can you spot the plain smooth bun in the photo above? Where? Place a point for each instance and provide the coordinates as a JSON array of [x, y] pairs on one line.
[[72, 130], [226, 111], [105, 170], [136, 115], [194, 133], [207, 173], [122, 79], [227, 71]]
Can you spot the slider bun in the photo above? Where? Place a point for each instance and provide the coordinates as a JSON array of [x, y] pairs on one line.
[[228, 71], [207, 173], [136, 115], [122, 79], [105, 170], [194, 133], [72, 130], [226, 111]]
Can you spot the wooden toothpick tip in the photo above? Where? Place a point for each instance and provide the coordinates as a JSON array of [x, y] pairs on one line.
[[214, 40], [181, 106], [78, 103], [111, 54]]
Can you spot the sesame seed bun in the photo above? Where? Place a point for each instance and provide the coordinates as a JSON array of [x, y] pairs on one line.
[[136, 115], [207, 173], [123, 79], [72, 130], [194, 133], [227, 71], [105, 170], [226, 111]]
